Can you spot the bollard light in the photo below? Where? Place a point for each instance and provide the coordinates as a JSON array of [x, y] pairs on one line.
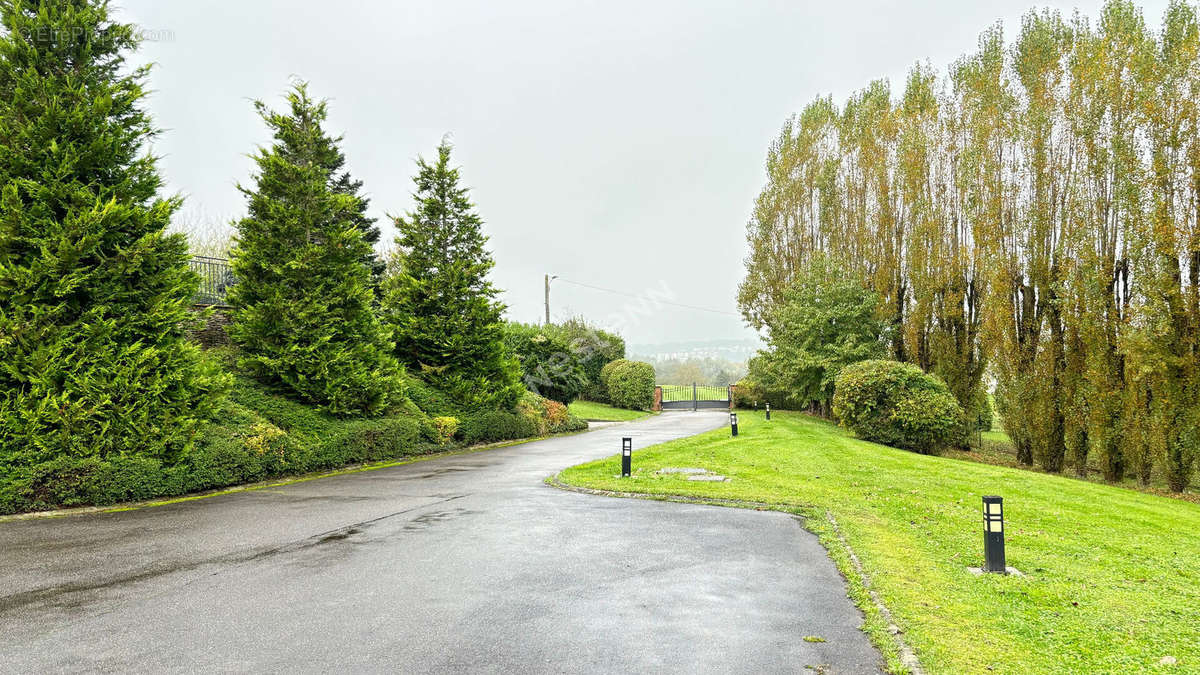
[[733, 422], [626, 456], [993, 535], [768, 412]]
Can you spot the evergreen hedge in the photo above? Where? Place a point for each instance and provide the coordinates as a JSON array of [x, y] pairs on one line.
[[594, 348], [549, 366], [261, 434]]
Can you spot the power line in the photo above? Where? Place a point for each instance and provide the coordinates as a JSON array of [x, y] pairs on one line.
[[641, 297]]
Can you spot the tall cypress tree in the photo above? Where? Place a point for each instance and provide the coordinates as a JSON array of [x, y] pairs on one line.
[[333, 160], [303, 305], [94, 295], [343, 183], [444, 309]]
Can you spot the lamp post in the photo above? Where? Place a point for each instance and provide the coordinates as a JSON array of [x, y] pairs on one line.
[[549, 278], [626, 457], [768, 412], [993, 535], [733, 422]]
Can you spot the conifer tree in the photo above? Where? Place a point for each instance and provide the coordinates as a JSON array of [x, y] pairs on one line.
[[303, 304], [439, 299], [94, 295], [333, 160], [343, 183]]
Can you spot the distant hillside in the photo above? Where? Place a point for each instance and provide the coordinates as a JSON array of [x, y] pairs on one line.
[[729, 350]]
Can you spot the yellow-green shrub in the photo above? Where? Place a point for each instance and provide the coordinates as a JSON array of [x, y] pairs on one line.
[[446, 428]]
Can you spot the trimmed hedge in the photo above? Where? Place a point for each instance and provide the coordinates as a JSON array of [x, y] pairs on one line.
[[630, 384], [259, 436], [606, 372], [496, 425], [533, 416], [896, 404], [446, 427]]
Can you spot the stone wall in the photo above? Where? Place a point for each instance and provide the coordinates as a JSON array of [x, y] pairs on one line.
[[211, 332]]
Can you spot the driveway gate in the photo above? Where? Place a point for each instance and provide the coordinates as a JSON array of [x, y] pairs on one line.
[[694, 397]]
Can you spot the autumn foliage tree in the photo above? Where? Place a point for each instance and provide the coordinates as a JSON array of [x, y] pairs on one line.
[[1029, 217]]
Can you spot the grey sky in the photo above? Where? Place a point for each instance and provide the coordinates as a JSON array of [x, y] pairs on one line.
[[618, 144]]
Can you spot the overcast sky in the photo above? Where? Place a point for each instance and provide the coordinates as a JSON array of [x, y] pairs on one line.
[[616, 144]]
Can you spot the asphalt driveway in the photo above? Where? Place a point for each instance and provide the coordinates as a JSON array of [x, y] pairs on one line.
[[463, 563]]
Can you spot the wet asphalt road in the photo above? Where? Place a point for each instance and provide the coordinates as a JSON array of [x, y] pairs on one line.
[[465, 563]]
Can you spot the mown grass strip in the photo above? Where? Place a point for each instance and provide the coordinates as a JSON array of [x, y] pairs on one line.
[[1112, 580]]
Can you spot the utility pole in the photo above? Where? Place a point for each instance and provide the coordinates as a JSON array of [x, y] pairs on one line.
[[548, 279]]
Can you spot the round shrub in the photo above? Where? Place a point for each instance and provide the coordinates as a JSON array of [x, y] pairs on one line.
[[896, 404], [630, 384], [607, 371]]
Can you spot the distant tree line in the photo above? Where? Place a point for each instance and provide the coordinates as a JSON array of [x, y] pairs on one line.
[[709, 370], [1032, 216]]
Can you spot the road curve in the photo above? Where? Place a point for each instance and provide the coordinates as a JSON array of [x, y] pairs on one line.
[[462, 563]]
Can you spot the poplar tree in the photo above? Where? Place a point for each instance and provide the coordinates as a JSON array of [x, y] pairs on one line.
[[94, 295], [444, 309], [1036, 210], [303, 304]]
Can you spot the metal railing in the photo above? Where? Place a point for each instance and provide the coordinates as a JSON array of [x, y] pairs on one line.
[[216, 277]]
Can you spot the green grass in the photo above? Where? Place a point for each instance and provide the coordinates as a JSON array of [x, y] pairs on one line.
[[601, 412], [1113, 575]]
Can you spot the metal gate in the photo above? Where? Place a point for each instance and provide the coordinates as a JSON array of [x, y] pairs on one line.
[[216, 277], [694, 397]]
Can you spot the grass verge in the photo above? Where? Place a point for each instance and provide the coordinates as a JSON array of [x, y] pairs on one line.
[[600, 412], [1112, 574]]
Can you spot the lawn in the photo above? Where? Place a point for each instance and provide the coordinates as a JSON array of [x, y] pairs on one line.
[[600, 412], [1112, 575]]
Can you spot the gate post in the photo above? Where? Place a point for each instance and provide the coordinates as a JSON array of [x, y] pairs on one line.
[[729, 393], [695, 401], [657, 407]]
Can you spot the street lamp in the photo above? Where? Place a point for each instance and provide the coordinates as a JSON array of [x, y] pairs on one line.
[[549, 278]]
